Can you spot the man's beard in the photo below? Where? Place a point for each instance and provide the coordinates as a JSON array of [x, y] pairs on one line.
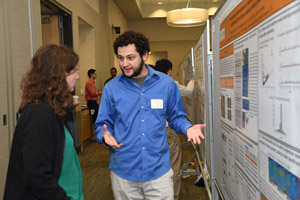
[[137, 72]]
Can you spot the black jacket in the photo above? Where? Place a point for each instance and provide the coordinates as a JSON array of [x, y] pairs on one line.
[[36, 155]]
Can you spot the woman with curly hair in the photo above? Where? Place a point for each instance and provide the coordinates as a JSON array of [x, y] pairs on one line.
[[43, 161]]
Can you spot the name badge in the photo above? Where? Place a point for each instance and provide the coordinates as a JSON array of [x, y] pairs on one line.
[[157, 104]]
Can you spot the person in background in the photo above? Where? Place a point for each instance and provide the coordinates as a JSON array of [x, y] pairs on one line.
[[165, 66], [113, 73], [91, 94], [43, 162], [132, 122]]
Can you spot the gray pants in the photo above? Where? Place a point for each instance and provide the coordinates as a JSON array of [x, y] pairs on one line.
[[159, 189]]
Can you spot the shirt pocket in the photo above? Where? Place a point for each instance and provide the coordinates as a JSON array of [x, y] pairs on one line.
[[157, 106]]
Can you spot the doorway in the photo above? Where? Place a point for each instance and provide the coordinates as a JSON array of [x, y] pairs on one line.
[[56, 24]]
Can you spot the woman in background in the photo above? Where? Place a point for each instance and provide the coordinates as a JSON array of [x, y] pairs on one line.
[[43, 161]]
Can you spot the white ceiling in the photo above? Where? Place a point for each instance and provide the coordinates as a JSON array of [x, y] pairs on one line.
[[141, 9]]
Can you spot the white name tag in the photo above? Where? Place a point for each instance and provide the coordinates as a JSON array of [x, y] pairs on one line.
[[157, 104]]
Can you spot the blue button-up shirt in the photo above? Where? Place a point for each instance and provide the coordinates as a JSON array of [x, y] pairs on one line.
[[136, 116]]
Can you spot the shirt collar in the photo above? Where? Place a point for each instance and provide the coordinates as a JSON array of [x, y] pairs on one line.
[[151, 71], [91, 81]]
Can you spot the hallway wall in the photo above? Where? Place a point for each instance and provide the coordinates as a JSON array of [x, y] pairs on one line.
[[20, 33], [176, 41], [116, 19], [97, 20]]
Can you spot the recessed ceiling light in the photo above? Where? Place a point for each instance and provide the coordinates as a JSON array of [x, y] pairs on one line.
[[159, 3]]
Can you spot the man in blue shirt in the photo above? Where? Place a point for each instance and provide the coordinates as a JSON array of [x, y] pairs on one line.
[[132, 121]]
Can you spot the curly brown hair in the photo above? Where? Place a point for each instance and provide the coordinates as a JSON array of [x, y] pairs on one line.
[[140, 41], [46, 79]]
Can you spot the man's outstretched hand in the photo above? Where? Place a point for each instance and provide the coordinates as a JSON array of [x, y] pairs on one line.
[[109, 139], [194, 133]]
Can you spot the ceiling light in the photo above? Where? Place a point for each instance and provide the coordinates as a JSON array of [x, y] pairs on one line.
[[187, 17], [159, 3]]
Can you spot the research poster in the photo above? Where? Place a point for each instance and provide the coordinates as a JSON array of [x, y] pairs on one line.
[[180, 73], [188, 74], [260, 87], [201, 102], [200, 83]]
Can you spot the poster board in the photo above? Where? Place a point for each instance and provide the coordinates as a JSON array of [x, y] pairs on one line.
[[256, 66], [188, 74], [201, 60]]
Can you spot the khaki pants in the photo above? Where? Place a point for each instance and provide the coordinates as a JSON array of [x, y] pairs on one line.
[[175, 159], [158, 189]]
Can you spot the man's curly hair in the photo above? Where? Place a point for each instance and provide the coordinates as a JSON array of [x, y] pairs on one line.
[[46, 79], [140, 41]]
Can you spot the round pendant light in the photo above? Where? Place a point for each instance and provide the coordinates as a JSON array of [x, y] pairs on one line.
[[187, 17]]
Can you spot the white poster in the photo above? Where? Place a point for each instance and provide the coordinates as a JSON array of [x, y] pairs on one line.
[[259, 91]]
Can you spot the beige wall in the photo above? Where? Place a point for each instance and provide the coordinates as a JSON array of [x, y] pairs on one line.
[[83, 10], [86, 51], [155, 56], [177, 42], [177, 50], [104, 35], [158, 30], [116, 18], [93, 4], [20, 36]]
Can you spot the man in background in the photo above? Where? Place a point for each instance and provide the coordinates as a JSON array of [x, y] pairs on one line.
[[91, 94], [113, 73], [165, 66]]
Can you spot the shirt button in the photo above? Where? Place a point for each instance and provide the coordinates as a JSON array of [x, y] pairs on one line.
[[143, 134], [142, 120], [141, 93], [142, 106], [143, 148]]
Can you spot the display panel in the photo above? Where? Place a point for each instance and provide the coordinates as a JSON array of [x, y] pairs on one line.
[[256, 66], [188, 74]]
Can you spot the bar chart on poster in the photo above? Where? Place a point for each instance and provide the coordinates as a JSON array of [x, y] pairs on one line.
[[257, 86]]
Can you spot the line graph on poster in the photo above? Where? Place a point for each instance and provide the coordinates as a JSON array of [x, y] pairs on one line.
[[288, 49], [265, 73], [292, 86], [290, 65]]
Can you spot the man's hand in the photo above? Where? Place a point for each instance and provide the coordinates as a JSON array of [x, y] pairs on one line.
[[194, 132], [76, 104], [109, 139], [192, 81]]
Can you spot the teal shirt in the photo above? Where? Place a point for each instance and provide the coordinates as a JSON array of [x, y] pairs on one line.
[[70, 178]]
